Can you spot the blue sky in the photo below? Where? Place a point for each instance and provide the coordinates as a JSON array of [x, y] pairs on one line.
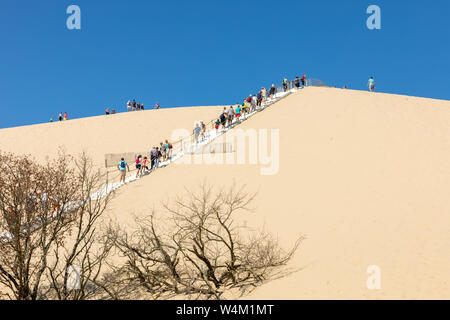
[[184, 53]]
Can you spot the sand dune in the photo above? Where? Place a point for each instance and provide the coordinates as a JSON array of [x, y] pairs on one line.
[[123, 132], [364, 176]]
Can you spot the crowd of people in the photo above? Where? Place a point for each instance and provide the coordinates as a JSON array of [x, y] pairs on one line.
[[228, 116], [236, 113], [134, 106], [144, 164], [296, 83], [249, 104]]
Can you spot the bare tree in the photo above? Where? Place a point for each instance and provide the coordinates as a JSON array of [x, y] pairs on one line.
[[48, 222], [203, 255]]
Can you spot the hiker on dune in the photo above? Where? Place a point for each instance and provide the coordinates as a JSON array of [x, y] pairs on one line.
[[153, 155], [264, 94], [122, 166], [197, 131], [163, 150], [144, 167], [238, 112], [272, 91], [230, 116], [304, 82], [158, 158], [223, 118], [138, 166], [169, 149], [297, 82], [285, 84], [371, 84]]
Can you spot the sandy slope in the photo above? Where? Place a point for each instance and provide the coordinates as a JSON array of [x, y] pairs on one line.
[[124, 132], [364, 176]]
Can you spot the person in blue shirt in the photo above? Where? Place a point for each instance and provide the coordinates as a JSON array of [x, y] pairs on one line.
[[123, 166], [238, 112], [217, 125]]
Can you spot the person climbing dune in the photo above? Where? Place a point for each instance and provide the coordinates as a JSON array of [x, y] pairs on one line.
[[285, 84], [304, 81], [138, 166], [122, 166]]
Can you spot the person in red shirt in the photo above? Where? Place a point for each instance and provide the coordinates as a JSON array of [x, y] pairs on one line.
[[138, 166], [304, 82]]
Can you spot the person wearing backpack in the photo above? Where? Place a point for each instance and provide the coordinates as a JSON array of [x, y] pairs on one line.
[[123, 166], [297, 82], [285, 84], [258, 99], [244, 108], [223, 119]]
